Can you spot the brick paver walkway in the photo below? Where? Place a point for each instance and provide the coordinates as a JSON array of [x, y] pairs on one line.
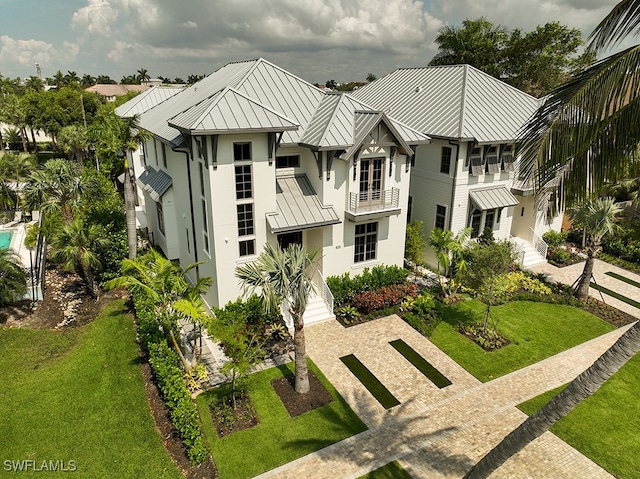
[[437, 433], [440, 433]]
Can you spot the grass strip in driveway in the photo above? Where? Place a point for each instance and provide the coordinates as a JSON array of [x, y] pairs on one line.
[[421, 364], [613, 294], [369, 381], [623, 278]]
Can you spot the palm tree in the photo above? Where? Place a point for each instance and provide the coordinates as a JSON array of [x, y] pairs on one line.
[[13, 278], [73, 141], [166, 284], [142, 75], [452, 253], [14, 168], [116, 137], [76, 246], [56, 187], [598, 218], [592, 122], [284, 278]]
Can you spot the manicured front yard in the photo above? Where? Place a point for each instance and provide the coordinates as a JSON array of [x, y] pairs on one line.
[[278, 438], [79, 396], [536, 331], [605, 426]]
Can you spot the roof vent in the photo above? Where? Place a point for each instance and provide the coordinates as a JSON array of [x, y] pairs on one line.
[[418, 89]]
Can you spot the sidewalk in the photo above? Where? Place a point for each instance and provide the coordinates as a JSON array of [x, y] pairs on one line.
[[437, 433]]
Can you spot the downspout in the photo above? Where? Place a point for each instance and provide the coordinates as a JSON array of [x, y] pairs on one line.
[[193, 221], [453, 184]]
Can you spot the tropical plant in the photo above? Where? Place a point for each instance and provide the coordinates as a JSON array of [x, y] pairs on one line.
[[116, 138], [598, 218], [76, 246], [592, 122], [284, 278], [452, 253], [14, 168], [164, 283], [415, 243], [13, 278], [73, 141]]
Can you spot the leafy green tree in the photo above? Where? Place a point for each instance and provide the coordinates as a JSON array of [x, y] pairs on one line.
[[13, 278], [284, 277], [488, 266], [115, 139], [592, 122], [76, 246], [105, 80], [371, 77], [74, 141], [243, 344], [452, 254], [598, 219], [415, 243]]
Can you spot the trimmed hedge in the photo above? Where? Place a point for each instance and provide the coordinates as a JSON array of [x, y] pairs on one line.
[[344, 288], [169, 377]]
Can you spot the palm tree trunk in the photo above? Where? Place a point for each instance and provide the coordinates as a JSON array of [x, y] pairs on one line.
[[24, 140], [582, 291], [579, 389], [130, 208], [302, 374]]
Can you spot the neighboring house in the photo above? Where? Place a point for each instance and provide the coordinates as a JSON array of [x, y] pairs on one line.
[[112, 91], [465, 177], [253, 154]]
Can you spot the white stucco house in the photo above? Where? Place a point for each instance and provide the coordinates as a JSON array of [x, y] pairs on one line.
[[465, 177], [253, 154]]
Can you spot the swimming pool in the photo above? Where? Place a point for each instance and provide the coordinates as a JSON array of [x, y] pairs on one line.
[[5, 239]]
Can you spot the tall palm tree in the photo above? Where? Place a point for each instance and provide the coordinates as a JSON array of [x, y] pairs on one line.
[[13, 278], [76, 246], [165, 283], [598, 218], [117, 137], [593, 123], [142, 75], [284, 276]]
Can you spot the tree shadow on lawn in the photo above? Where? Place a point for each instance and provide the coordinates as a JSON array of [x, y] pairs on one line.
[[399, 433], [462, 312]]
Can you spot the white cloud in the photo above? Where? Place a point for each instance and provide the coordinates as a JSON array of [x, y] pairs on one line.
[[96, 18], [27, 52]]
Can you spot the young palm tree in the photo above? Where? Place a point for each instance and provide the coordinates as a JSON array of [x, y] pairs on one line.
[[13, 278], [598, 218], [593, 123], [76, 246], [166, 284], [451, 254], [115, 137], [284, 276]]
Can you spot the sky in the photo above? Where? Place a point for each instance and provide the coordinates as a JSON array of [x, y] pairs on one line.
[[318, 40]]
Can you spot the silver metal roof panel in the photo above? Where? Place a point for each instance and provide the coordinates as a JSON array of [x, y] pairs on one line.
[[158, 185], [492, 198], [146, 100]]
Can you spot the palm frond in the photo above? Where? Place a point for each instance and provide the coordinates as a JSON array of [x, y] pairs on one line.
[[622, 21]]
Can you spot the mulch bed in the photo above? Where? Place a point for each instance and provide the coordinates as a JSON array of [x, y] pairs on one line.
[[228, 419], [297, 404]]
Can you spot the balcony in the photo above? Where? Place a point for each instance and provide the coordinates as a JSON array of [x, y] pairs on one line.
[[373, 204]]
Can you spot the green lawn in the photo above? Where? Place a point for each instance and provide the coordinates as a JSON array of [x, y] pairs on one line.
[[278, 438], [605, 426], [536, 331], [393, 470], [79, 396]]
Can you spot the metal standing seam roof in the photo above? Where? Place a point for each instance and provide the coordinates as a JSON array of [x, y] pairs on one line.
[[492, 198], [456, 101], [298, 206], [146, 175], [228, 111], [158, 184], [146, 100]]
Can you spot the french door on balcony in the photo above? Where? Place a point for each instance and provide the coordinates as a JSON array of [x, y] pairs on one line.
[[371, 180]]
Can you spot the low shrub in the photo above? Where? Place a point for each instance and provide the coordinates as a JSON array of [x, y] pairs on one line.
[[348, 314], [489, 339], [383, 297], [558, 256], [344, 287], [148, 330], [555, 238], [519, 280], [424, 326], [184, 415]]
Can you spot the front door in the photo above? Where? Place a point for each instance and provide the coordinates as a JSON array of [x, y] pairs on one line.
[[286, 239], [371, 180]]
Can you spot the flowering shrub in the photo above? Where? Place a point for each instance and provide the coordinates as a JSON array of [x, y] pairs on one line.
[[518, 280], [384, 297]]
